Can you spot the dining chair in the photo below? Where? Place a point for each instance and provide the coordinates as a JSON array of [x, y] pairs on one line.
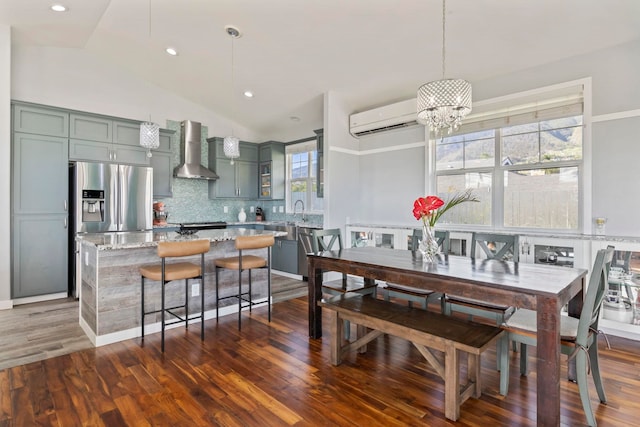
[[494, 246], [328, 240], [168, 272], [578, 336], [248, 262], [408, 293]]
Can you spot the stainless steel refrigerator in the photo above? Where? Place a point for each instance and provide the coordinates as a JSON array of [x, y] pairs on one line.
[[107, 197]]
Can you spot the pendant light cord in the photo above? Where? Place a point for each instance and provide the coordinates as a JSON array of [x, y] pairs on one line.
[[233, 83], [443, 35]]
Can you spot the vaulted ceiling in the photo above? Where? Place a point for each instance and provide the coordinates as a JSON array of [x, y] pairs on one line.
[[372, 52]]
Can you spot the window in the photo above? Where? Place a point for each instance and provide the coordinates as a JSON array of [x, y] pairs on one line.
[[526, 170], [302, 183]]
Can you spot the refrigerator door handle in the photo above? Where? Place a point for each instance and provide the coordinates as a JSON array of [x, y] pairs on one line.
[[65, 222], [65, 205]]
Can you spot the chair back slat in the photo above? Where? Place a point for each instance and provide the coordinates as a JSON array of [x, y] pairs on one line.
[[509, 246], [595, 295], [327, 240]]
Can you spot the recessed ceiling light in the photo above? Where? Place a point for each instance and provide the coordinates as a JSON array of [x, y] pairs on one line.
[[171, 51], [58, 8], [248, 94], [294, 118]]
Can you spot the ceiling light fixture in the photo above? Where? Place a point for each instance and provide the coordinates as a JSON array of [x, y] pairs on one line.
[[149, 131], [248, 94], [231, 144], [171, 51], [58, 8], [442, 104]]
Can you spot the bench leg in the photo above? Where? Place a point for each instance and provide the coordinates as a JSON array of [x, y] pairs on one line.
[[473, 373], [337, 331], [451, 382]]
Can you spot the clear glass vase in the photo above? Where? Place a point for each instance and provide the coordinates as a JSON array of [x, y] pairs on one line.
[[428, 245]]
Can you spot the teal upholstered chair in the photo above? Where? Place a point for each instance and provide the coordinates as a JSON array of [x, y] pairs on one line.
[[420, 296], [579, 337]]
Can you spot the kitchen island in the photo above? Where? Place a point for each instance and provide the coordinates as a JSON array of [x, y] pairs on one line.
[[109, 280]]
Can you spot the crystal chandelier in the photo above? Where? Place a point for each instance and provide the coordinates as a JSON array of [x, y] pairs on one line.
[[231, 143], [149, 136], [442, 104]]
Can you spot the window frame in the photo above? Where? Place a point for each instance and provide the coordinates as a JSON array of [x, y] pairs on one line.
[[498, 171], [311, 179]]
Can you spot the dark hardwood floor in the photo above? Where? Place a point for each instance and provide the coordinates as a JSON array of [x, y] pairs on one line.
[[273, 374]]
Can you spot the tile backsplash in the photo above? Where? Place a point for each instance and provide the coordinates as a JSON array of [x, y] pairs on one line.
[[191, 203]]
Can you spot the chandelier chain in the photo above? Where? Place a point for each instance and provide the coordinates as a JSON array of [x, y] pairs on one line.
[[444, 15]]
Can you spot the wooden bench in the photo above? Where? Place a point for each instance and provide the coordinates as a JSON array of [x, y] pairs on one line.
[[426, 330]]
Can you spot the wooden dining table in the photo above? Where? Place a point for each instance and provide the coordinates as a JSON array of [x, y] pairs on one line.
[[539, 287]]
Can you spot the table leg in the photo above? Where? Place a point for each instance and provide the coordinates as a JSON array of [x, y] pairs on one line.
[[548, 362], [315, 295]]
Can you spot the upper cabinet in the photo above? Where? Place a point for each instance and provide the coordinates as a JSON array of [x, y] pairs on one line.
[[237, 181], [40, 120], [91, 128], [272, 171], [162, 165]]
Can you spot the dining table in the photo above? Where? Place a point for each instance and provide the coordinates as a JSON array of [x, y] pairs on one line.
[[544, 288]]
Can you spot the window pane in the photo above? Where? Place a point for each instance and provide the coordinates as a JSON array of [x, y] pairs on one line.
[[520, 149], [514, 130], [299, 165], [561, 144], [541, 198], [449, 156], [561, 123], [298, 191], [479, 153], [469, 212], [314, 164]]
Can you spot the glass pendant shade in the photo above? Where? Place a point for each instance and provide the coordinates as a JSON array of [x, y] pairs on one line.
[[231, 147], [149, 136], [442, 104]]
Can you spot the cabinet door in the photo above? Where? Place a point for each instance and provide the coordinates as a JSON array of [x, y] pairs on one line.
[[90, 150], [247, 179], [162, 174], [225, 186], [126, 133], [40, 174], [284, 256], [166, 140], [40, 252], [90, 128], [130, 155], [41, 121]]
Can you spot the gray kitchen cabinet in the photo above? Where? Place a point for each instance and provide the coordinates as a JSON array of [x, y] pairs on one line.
[[40, 120], [109, 153], [90, 128], [240, 180], [40, 174], [39, 251], [126, 133], [284, 256], [161, 162], [272, 171], [39, 215]]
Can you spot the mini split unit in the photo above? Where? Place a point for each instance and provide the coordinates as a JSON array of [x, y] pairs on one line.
[[399, 115]]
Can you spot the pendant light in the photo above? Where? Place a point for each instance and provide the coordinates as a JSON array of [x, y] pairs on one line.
[[231, 144], [442, 104], [149, 131]]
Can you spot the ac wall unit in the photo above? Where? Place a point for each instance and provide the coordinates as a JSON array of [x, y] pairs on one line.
[[399, 115]]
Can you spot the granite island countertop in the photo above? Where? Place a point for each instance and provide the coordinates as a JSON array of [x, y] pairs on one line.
[[144, 239]]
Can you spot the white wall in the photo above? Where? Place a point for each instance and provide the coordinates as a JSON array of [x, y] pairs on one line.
[[5, 166], [615, 190], [75, 79]]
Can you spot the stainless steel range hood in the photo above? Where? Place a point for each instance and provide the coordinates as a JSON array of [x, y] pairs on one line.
[[190, 149]]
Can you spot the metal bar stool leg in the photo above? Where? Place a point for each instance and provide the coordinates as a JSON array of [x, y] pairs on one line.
[[142, 305]]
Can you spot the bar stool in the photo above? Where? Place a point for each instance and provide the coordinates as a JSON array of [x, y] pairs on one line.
[[167, 272], [246, 262]]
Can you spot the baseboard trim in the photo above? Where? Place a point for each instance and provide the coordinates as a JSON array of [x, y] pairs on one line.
[[6, 304], [40, 298]]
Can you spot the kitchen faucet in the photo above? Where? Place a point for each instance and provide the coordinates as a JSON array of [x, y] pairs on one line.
[[295, 205]]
